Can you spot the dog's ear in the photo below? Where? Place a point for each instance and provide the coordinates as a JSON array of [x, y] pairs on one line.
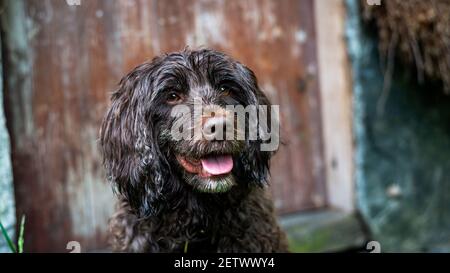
[[128, 143], [256, 159]]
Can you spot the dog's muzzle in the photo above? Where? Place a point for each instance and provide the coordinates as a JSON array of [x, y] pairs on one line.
[[218, 161], [209, 161]]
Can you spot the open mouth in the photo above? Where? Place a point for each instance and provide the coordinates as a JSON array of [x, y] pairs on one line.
[[209, 166]]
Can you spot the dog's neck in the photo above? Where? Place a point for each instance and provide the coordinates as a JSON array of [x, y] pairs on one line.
[[199, 216]]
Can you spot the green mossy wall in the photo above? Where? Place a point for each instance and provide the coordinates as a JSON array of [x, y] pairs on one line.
[[402, 152]]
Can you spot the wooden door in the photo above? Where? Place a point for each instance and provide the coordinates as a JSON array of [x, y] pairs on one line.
[[62, 62]]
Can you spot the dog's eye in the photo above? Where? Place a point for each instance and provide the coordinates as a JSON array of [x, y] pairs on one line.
[[174, 98], [224, 91]]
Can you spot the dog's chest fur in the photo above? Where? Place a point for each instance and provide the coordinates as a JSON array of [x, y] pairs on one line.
[[193, 226]]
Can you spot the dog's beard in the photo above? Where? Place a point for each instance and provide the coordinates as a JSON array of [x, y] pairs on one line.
[[215, 184]]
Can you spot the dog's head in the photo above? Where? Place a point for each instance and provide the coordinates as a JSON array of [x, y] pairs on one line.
[[171, 127]]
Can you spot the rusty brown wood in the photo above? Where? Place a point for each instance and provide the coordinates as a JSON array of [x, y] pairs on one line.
[[77, 54]]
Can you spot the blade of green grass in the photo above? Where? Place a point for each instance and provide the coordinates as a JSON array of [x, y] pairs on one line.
[[20, 241], [186, 246], [11, 245]]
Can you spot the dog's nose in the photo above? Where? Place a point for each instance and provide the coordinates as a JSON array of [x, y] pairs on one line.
[[215, 128]]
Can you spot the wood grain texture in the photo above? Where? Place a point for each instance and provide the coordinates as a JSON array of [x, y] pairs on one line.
[[74, 56], [336, 101]]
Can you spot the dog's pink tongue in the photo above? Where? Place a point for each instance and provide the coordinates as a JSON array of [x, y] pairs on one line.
[[217, 165]]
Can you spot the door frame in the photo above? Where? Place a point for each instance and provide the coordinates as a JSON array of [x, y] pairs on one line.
[[337, 227]]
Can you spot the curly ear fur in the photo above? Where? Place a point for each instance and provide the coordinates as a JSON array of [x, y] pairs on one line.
[[255, 162], [128, 145]]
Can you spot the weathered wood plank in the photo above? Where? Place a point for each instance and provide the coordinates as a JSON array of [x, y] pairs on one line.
[[336, 101]]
